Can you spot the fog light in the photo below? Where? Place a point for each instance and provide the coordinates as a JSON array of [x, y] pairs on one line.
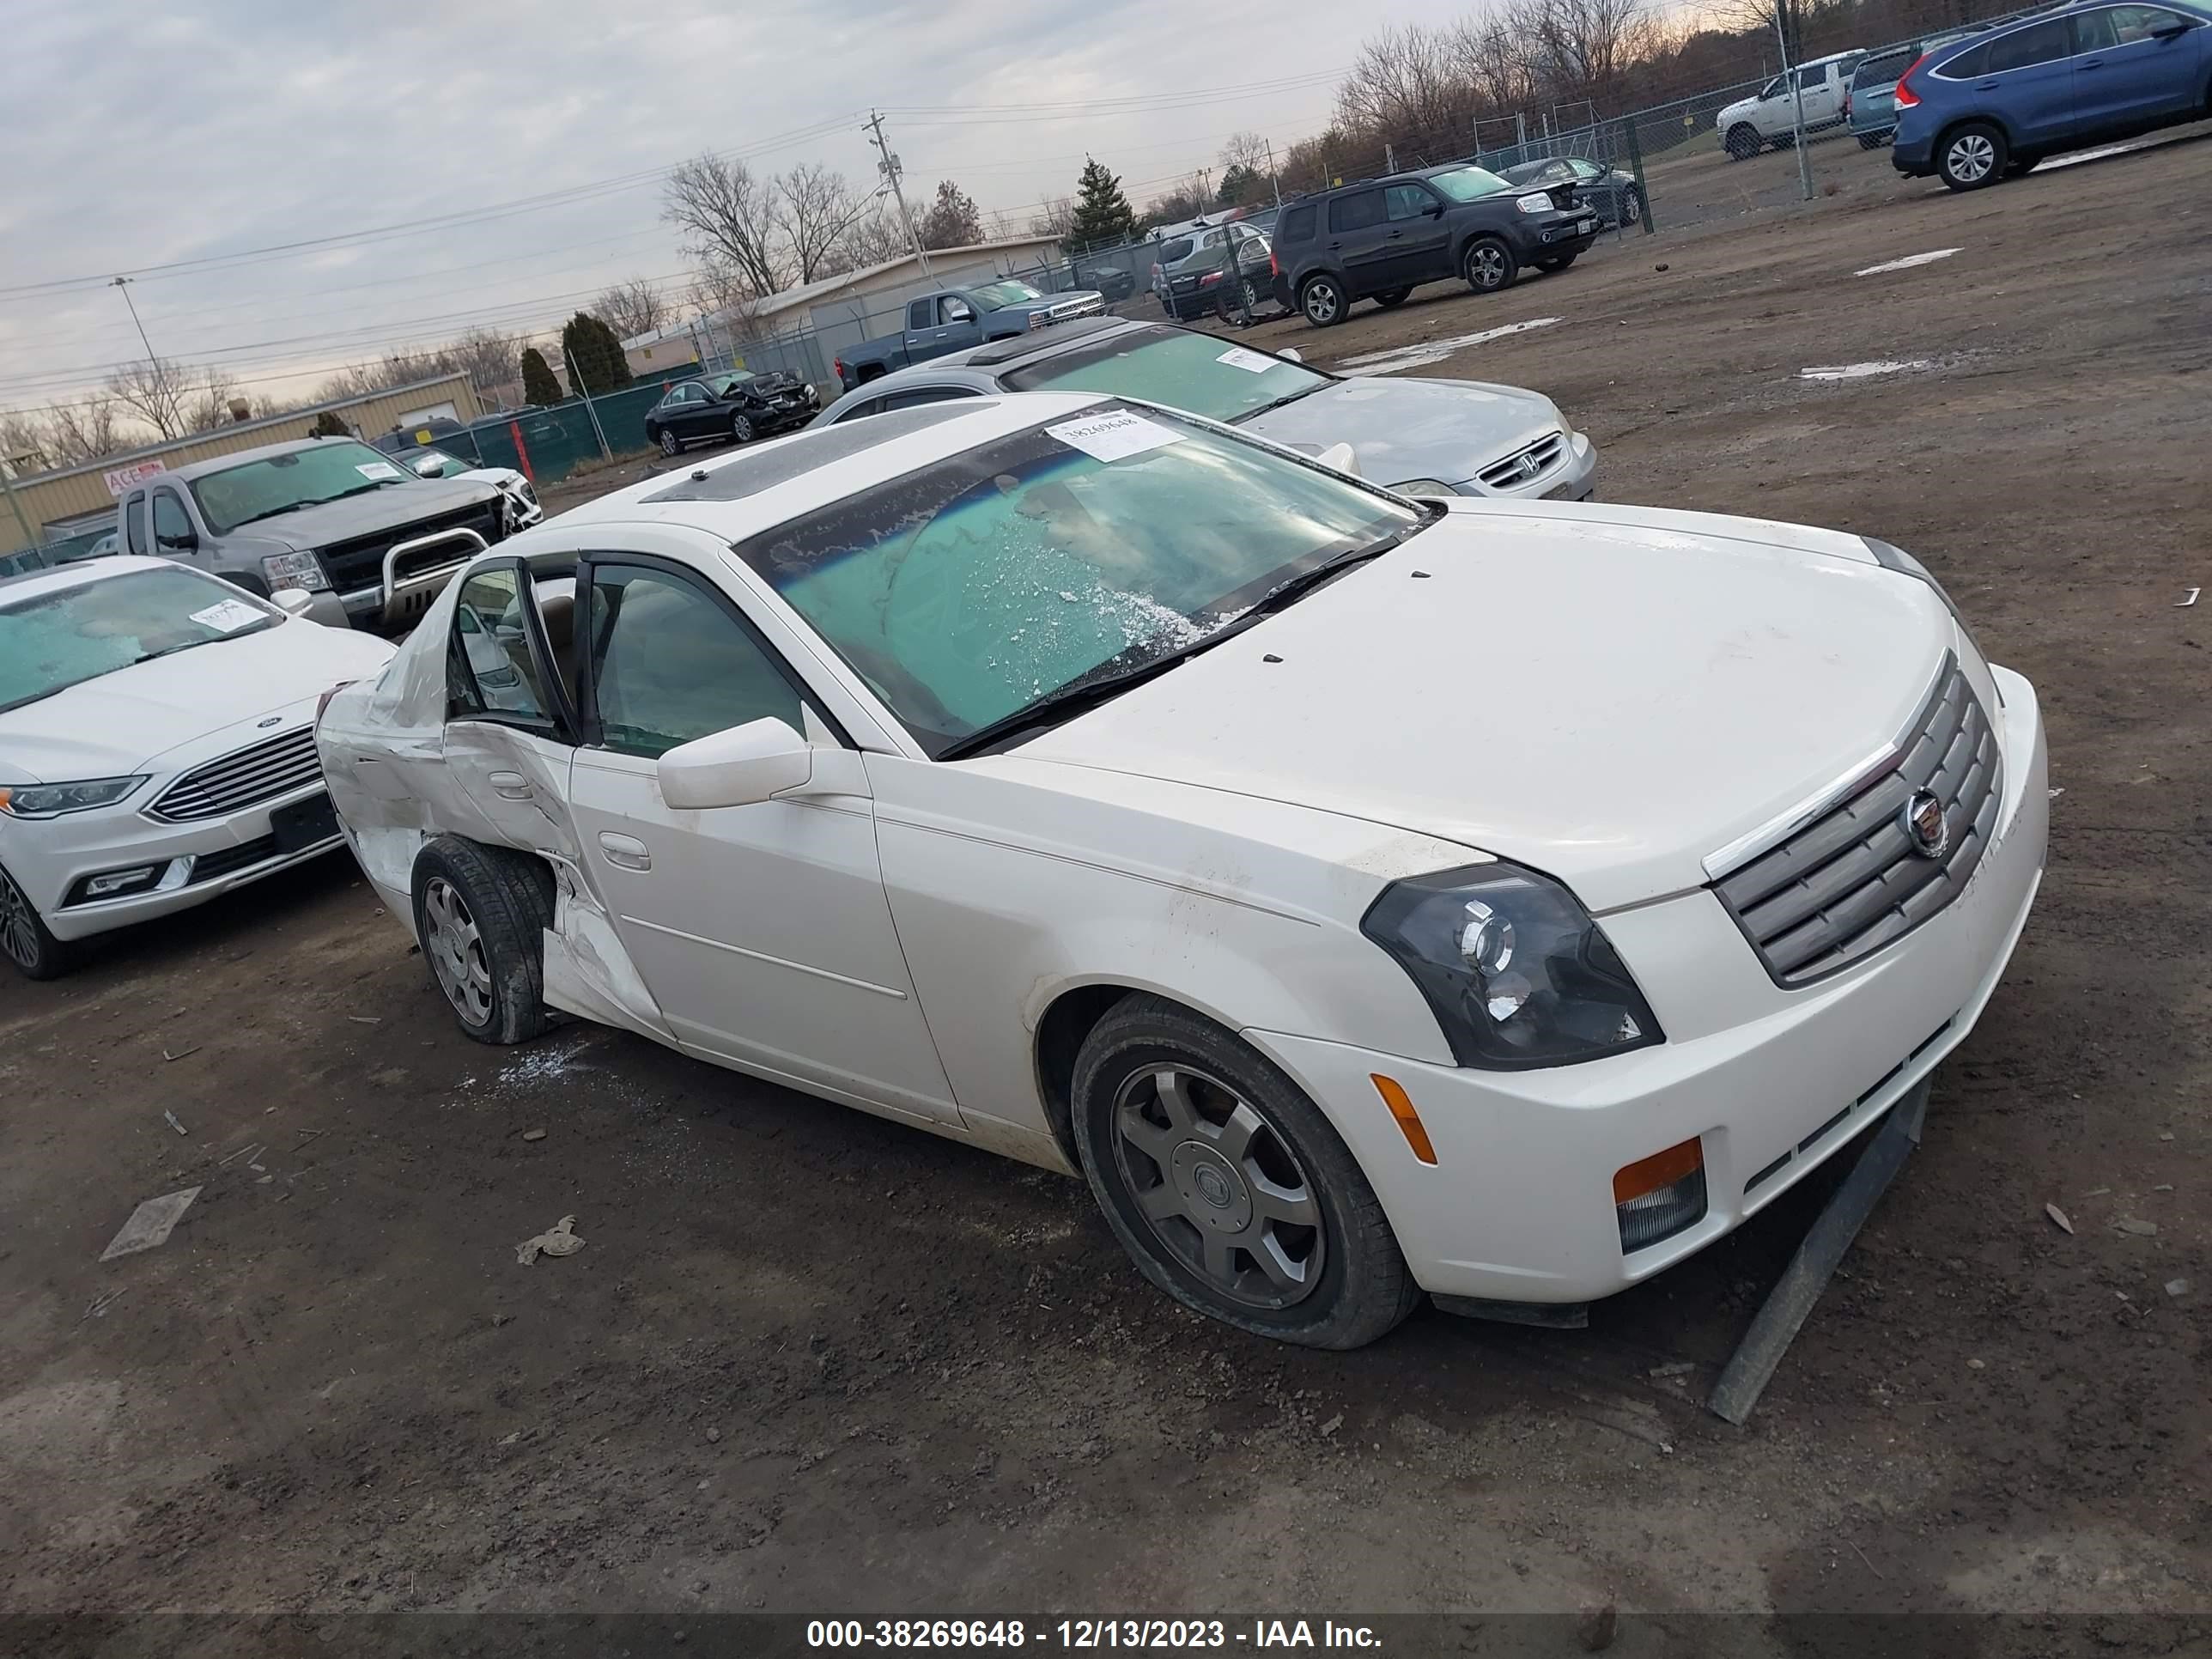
[[1658, 1197], [113, 884]]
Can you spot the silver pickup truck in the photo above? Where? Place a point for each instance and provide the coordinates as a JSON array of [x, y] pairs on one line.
[[367, 540]]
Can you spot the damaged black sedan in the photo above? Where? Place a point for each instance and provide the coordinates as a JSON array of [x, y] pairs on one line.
[[732, 408]]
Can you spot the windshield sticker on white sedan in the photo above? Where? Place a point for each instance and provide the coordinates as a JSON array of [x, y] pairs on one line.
[[1113, 437], [227, 617], [379, 471], [1256, 362]]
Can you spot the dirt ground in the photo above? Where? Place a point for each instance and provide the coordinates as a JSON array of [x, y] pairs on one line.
[[814, 1363]]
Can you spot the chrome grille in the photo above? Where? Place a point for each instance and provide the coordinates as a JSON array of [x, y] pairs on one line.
[[1525, 466], [1852, 881], [243, 778]]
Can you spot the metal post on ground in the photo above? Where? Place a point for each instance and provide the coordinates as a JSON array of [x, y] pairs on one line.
[[1797, 101], [576, 377], [1635, 167]]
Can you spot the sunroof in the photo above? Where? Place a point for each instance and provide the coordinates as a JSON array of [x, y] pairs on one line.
[[749, 474]]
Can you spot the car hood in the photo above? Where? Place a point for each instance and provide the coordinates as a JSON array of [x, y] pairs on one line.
[[1403, 429], [391, 508], [1605, 695], [1741, 107], [124, 722], [1069, 302]]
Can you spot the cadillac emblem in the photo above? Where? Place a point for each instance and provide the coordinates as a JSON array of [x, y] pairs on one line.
[[1923, 825]]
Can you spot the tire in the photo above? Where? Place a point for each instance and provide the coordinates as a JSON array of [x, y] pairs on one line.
[[30, 949], [1972, 157], [1631, 207], [1489, 265], [1392, 297], [1340, 1280], [1323, 302], [480, 913], [1558, 261], [1871, 140], [1742, 142], [741, 429], [671, 445]]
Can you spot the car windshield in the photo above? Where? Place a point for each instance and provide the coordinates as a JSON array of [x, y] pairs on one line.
[[992, 295], [280, 484], [1876, 70], [50, 642], [1067, 553], [720, 385], [1177, 251], [1465, 184], [1172, 366]]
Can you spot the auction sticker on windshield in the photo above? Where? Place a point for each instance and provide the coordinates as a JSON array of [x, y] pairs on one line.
[[1112, 437], [379, 471], [227, 617], [1257, 362]]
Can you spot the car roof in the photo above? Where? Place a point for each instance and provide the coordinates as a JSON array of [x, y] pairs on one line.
[[192, 470], [755, 489], [78, 573]]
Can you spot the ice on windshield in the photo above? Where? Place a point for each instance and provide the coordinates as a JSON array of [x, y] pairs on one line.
[[967, 591], [1175, 367], [301, 478], [50, 642]]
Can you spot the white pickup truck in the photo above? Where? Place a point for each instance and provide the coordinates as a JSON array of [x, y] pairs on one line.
[[1771, 115]]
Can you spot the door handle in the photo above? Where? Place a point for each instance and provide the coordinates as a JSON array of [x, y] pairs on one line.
[[1986, 86], [2091, 63], [625, 852], [1395, 235], [510, 786]]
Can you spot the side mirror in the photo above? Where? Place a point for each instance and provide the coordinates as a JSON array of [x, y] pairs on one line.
[[737, 768], [292, 601], [184, 543], [427, 467], [1292, 353], [1434, 210], [1341, 457]]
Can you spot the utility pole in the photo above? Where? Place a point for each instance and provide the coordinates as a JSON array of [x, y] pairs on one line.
[[1390, 157], [1797, 95], [123, 283], [1275, 178], [889, 167]]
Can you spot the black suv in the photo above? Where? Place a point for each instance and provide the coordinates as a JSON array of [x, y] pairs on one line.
[[1382, 238]]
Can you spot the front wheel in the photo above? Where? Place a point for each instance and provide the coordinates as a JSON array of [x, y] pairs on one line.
[[1743, 142], [741, 430], [670, 444], [1323, 301], [1489, 265], [24, 940], [480, 913], [1226, 1185], [1394, 296], [1973, 157]]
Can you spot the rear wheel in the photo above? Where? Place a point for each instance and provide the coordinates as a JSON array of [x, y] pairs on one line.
[[480, 913], [1322, 301], [670, 444], [24, 940], [1394, 296], [741, 429], [1228, 1187], [1972, 157], [1743, 142], [1489, 265], [1632, 207]]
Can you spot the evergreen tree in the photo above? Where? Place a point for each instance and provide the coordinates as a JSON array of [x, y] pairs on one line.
[[953, 219], [593, 350], [539, 388], [1103, 214]]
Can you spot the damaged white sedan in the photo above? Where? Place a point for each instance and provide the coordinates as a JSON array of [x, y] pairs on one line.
[[1499, 900]]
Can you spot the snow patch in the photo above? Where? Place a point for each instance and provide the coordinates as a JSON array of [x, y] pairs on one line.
[[1907, 263], [1863, 371], [1434, 351]]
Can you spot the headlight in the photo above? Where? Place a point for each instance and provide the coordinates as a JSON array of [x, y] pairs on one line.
[[294, 570], [1539, 203], [1425, 486], [46, 800], [1517, 973]]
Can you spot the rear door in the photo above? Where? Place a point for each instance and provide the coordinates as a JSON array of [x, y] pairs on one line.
[[1358, 238], [1417, 247], [2134, 66], [2027, 79]]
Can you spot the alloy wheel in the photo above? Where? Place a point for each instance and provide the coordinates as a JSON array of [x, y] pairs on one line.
[[669, 446], [1321, 303], [1972, 157], [456, 951], [1221, 1189], [1486, 266], [18, 924], [1632, 207], [741, 430]]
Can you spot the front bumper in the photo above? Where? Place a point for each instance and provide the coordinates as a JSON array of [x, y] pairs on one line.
[[1519, 1206], [415, 572], [1574, 479]]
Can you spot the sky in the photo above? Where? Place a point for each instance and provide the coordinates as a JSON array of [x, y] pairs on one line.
[[175, 144]]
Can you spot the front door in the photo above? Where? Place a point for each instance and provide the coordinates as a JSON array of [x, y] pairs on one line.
[[510, 736], [2134, 66], [762, 931]]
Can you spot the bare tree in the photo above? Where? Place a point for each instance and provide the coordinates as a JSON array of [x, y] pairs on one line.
[[876, 238], [631, 308], [731, 219], [1187, 200], [1247, 150], [1057, 220], [84, 431], [156, 392], [208, 406], [819, 211], [25, 443]]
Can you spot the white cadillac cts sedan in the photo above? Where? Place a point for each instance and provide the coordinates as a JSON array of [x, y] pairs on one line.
[[156, 746], [1498, 900]]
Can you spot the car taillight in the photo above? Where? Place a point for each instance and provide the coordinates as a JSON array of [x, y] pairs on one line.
[[1274, 264], [837, 367], [1906, 98]]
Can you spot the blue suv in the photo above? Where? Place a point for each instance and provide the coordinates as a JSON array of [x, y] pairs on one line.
[[1998, 102]]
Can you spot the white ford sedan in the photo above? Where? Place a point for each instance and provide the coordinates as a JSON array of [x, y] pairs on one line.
[[156, 746], [1367, 897]]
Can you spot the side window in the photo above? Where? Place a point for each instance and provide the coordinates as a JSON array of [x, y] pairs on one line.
[[670, 663], [952, 309], [861, 410], [491, 671], [2025, 48], [2094, 30], [171, 525], [1408, 201], [1356, 210], [918, 314], [134, 523], [925, 394], [2133, 23], [1967, 65], [1298, 224], [1775, 88], [1813, 76]]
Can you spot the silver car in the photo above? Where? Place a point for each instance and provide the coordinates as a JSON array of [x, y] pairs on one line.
[[1426, 437]]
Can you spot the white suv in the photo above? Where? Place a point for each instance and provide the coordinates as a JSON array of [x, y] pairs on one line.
[[1770, 116]]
